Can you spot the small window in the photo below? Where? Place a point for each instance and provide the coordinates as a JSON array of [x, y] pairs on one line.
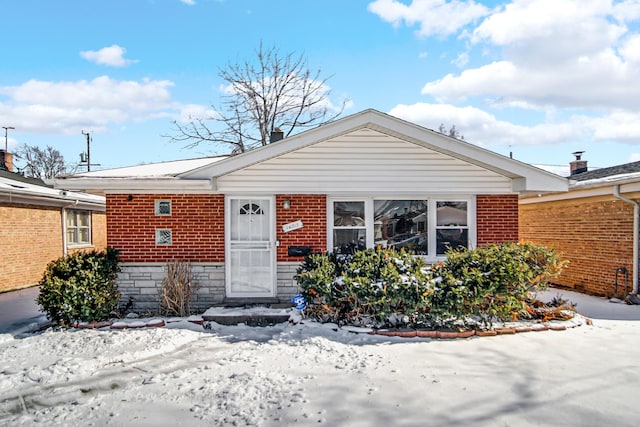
[[163, 207], [164, 237], [452, 229], [78, 228], [349, 228], [251, 209]]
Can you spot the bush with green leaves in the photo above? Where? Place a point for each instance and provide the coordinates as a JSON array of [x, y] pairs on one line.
[[388, 288], [374, 287], [80, 287], [492, 282]]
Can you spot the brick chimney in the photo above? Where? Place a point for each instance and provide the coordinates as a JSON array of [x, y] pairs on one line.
[[578, 165], [6, 161]]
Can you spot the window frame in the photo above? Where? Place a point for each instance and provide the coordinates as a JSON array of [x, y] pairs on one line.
[[77, 213], [159, 202], [432, 202]]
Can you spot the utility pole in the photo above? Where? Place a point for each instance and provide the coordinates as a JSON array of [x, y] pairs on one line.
[[88, 150], [6, 139]]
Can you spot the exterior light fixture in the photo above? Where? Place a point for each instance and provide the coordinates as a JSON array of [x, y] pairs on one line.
[[286, 204]]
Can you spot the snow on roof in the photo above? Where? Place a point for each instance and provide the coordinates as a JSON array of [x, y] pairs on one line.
[[153, 170], [16, 187]]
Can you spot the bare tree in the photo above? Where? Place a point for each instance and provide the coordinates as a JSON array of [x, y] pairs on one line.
[[452, 132], [39, 163], [274, 92]]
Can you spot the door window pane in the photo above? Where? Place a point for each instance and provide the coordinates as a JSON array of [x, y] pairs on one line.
[[402, 223]]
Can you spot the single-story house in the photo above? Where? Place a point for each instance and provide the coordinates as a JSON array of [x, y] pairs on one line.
[[41, 224], [244, 222], [594, 225]]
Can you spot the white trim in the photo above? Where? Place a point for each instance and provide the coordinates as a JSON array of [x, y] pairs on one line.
[[432, 200], [580, 192]]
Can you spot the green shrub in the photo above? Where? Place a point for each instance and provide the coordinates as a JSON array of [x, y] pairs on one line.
[[80, 287], [388, 288], [493, 282], [380, 287]]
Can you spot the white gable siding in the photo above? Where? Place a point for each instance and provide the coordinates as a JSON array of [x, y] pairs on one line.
[[364, 162]]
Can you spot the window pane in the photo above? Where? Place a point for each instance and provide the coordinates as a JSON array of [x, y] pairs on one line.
[[84, 235], [348, 214], [72, 219], [83, 219], [71, 236], [453, 237], [402, 223], [349, 241], [452, 214]]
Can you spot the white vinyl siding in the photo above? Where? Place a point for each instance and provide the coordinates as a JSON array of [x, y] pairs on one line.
[[365, 162]]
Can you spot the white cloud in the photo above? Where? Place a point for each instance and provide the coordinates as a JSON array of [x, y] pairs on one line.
[[482, 128], [634, 157], [190, 112], [112, 56], [188, 2], [576, 61], [433, 17], [461, 60], [66, 107], [561, 53]]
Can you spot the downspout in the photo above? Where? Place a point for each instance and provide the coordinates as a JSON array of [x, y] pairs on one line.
[[636, 225]]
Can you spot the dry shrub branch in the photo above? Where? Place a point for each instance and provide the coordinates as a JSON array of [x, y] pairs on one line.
[[178, 287]]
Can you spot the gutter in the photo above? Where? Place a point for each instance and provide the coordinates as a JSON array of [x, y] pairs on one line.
[[636, 225]]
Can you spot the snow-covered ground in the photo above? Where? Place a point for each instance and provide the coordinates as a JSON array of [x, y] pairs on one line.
[[307, 374]]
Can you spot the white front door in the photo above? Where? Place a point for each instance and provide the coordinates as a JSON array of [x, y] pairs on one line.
[[250, 239]]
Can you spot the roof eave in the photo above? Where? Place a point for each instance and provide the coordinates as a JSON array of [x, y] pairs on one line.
[[132, 184]]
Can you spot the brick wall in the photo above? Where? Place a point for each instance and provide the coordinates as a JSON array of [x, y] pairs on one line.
[[197, 224], [312, 211], [594, 234], [497, 218], [31, 238]]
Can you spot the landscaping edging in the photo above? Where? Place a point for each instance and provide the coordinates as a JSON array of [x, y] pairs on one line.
[[507, 329], [510, 329]]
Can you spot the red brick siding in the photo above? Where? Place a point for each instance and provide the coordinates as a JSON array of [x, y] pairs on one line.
[[196, 221], [594, 234], [312, 211], [497, 218]]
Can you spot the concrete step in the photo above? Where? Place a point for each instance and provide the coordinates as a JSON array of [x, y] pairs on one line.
[[251, 316]]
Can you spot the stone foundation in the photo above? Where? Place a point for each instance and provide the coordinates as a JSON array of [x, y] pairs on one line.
[[141, 283]]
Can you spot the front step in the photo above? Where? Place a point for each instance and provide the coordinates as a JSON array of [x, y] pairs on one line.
[[247, 302], [251, 316]]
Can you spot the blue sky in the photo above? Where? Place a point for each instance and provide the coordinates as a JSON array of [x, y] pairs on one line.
[[538, 78]]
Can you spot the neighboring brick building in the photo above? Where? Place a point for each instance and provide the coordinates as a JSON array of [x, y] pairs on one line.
[[246, 221], [592, 225], [40, 224]]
